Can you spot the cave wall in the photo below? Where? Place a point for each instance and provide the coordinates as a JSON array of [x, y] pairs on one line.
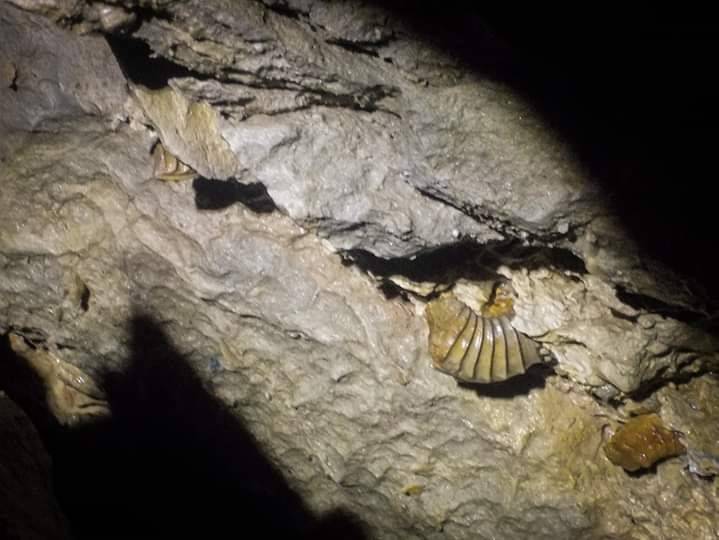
[[348, 169]]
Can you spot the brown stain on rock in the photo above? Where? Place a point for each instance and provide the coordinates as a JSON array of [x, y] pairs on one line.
[[642, 442]]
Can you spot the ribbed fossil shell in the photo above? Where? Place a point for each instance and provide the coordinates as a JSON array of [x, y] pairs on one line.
[[167, 167], [474, 348], [641, 442]]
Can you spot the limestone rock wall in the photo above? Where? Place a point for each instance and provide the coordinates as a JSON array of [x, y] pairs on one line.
[[376, 149]]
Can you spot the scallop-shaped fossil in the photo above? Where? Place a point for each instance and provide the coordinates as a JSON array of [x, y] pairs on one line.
[[167, 167], [641, 442], [476, 348]]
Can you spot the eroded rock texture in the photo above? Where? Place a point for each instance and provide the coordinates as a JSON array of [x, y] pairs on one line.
[[337, 147]]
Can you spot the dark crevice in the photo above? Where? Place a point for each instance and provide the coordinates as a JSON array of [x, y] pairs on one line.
[[85, 297], [219, 194], [33, 336], [140, 66], [334, 226], [392, 291], [353, 46], [281, 8], [648, 471], [238, 102], [13, 83], [467, 260], [433, 265], [649, 388], [362, 100], [500, 224], [248, 79], [365, 100], [650, 304], [144, 14]]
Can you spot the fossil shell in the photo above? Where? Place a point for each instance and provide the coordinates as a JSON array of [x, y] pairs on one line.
[[474, 348], [641, 442], [167, 167]]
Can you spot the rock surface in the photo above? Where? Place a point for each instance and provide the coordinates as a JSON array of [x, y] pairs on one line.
[[28, 508], [376, 148]]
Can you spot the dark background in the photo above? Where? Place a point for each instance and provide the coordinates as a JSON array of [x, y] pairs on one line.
[[633, 92]]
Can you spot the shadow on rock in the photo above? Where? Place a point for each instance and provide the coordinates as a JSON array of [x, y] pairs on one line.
[[172, 461], [521, 385]]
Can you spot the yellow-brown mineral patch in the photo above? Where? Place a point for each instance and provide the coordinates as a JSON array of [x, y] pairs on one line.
[[641, 442], [501, 302]]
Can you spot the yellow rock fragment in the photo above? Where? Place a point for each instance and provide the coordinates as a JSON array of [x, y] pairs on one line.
[[642, 442]]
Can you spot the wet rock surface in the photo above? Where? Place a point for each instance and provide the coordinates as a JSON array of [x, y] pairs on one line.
[[302, 315]]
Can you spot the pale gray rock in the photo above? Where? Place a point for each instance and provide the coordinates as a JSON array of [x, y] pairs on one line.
[[57, 10], [43, 84], [457, 143], [580, 317], [331, 374]]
